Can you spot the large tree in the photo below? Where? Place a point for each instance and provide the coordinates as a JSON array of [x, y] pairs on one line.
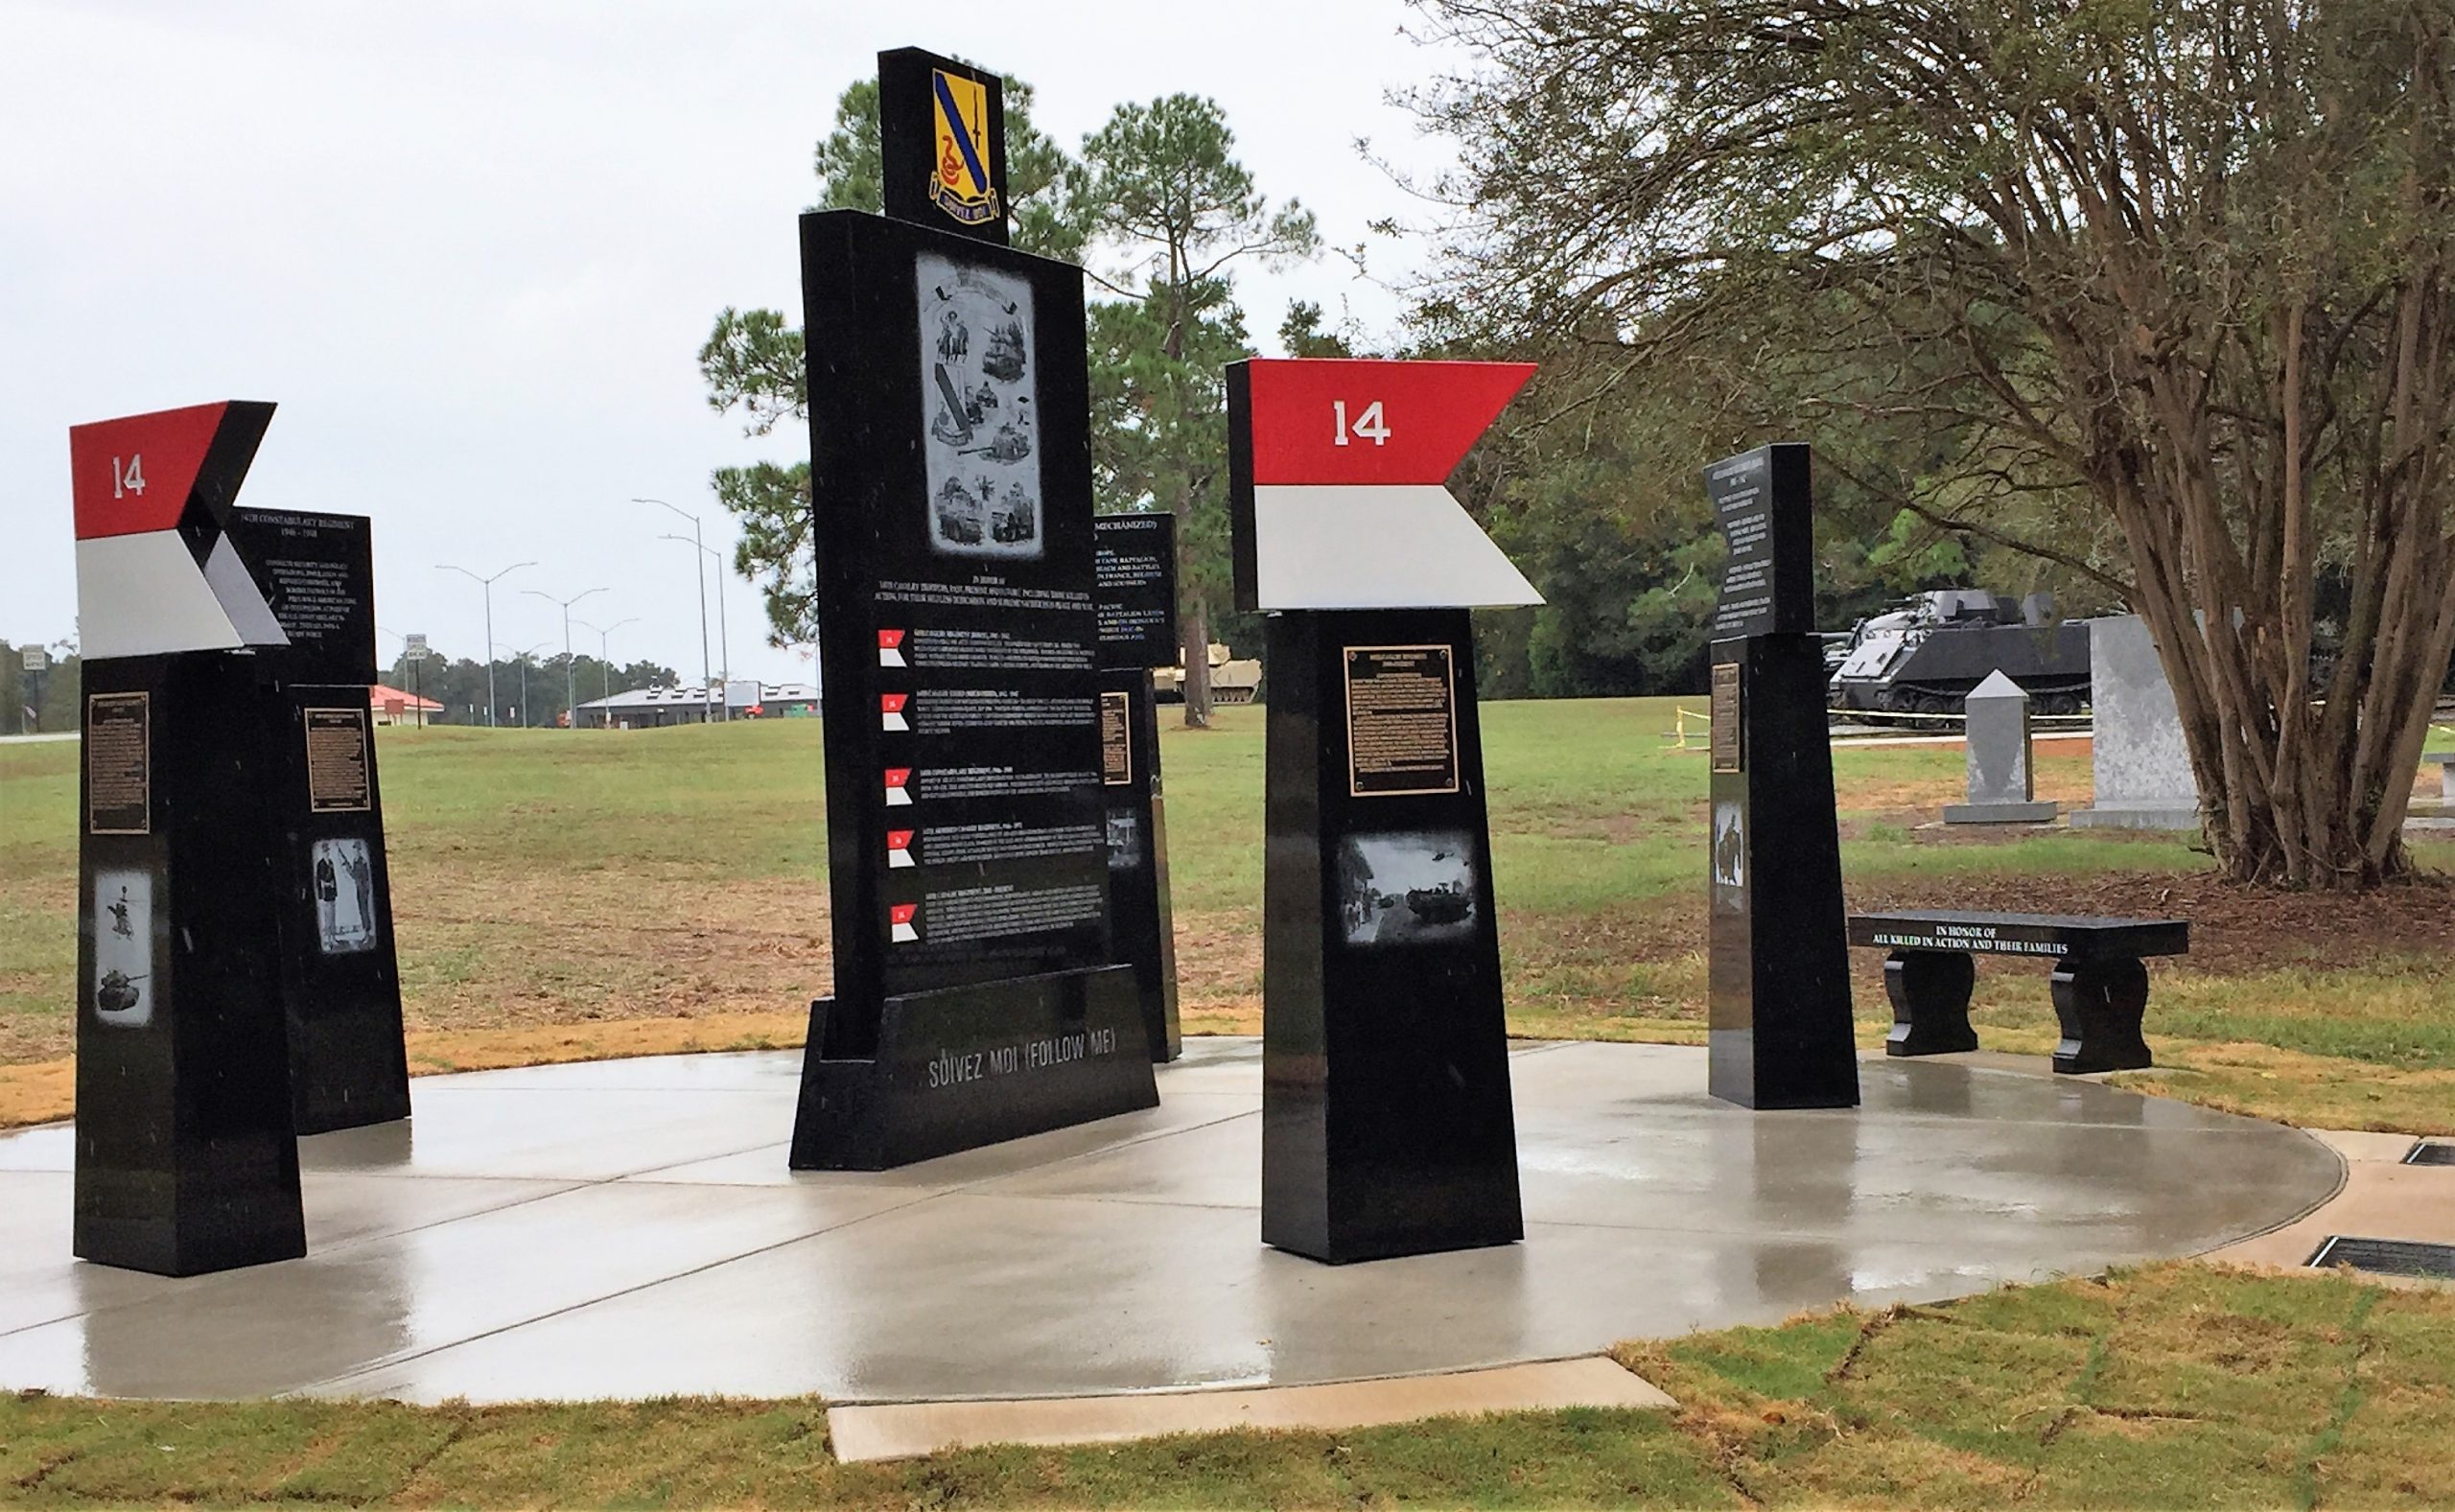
[[1162, 194], [2166, 280]]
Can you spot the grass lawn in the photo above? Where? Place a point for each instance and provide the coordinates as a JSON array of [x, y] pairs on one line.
[[562, 895], [2172, 1386]]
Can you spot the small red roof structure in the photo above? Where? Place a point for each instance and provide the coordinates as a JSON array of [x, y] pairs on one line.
[[380, 697]]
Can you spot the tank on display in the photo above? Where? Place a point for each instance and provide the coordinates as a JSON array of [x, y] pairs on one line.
[[1232, 679], [1925, 657]]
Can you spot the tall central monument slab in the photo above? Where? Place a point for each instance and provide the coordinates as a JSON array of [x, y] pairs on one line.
[[950, 483]]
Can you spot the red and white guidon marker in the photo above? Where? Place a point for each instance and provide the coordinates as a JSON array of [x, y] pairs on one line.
[[899, 848], [154, 572], [891, 711], [900, 926], [1337, 481], [898, 786], [891, 648]]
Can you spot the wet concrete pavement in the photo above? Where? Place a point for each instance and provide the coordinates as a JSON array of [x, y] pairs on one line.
[[629, 1228]]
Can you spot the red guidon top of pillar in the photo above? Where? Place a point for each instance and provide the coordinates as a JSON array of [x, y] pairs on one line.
[[1360, 421], [134, 474]]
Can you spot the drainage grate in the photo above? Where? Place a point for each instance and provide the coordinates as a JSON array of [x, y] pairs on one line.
[[2430, 1152], [2393, 1257]]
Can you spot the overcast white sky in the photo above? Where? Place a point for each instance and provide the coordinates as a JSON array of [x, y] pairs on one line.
[[471, 248]]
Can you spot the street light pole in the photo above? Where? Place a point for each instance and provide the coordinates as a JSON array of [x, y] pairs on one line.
[[605, 660], [521, 658], [489, 583], [571, 697], [724, 637], [699, 576]]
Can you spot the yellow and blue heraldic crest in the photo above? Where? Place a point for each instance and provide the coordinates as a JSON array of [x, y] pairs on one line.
[[963, 185]]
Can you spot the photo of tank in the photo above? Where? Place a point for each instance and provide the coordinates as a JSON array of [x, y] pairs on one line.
[[980, 442], [1012, 441], [1414, 888], [123, 948], [959, 512], [1004, 360], [1925, 657]]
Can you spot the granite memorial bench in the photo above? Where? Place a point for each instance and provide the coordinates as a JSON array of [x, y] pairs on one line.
[[2100, 987]]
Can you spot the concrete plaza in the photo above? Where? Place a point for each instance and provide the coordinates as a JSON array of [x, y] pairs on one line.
[[630, 1230]]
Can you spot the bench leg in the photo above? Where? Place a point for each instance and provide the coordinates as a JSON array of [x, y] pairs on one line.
[[1930, 993], [2100, 1005]]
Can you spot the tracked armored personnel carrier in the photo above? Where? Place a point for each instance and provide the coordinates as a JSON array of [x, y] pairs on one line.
[[1925, 657]]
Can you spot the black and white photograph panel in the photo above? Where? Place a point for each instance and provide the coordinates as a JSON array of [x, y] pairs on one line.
[[1416, 887], [1125, 838], [124, 947], [977, 402], [344, 896], [1730, 857]]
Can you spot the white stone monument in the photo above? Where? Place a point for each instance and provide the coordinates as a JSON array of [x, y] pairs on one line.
[[2143, 777], [2002, 789]]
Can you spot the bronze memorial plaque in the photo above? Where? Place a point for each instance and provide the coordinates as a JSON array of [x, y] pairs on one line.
[[1401, 721], [337, 775], [1116, 738], [1725, 717], [119, 764]]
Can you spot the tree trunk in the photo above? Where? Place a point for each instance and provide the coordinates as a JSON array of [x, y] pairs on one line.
[[1196, 685], [2301, 785]]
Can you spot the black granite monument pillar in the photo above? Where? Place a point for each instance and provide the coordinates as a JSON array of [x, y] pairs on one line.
[[1137, 567], [186, 1158], [341, 978], [1387, 1125], [950, 484], [1779, 1011]]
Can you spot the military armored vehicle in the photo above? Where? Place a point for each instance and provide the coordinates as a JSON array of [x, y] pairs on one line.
[[958, 513], [116, 993], [1232, 682], [1925, 657], [1004, 360], [1014, 519], [1445, 904]]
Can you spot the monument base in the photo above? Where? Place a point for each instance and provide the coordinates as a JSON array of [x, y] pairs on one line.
[[2179, 814], [2001, 813], [965, 1066]]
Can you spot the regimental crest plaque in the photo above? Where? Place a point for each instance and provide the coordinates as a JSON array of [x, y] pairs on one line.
[[961, 182], [1727, 746]]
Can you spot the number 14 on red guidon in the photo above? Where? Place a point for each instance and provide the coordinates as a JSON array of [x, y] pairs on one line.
[[1337, 483]]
